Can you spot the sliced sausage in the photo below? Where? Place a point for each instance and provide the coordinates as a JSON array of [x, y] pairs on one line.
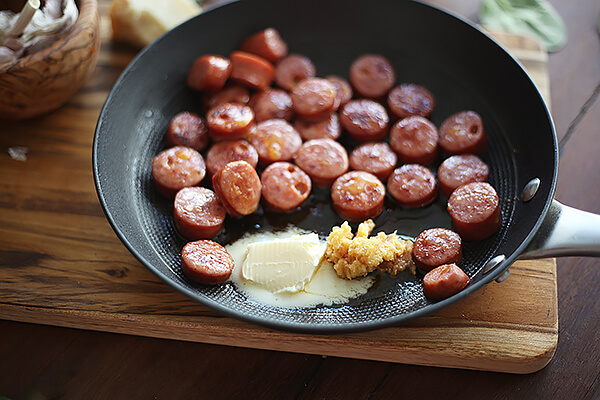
[[292, 69], [209, 72], [189, 130], [275, 140], [459, 170], [323, 160], [251, 70], [313, 99], [365, 120], [271, 104], [377, 158], [230, 121], [198, 213], [412, 185], [437, 246], [207, 262], [231, 93], [176, 168], [415, 140], [343, 89], [463, 133], [475, 210], [372, 76], [284, 186], [410, 99], [329, 128], [357, 196], [267, 43], [222, 153], [444, 281], [238, 187]]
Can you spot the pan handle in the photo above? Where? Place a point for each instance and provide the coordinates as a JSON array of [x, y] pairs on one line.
[[565, 231]]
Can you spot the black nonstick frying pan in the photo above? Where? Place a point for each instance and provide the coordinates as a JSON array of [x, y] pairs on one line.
[[460, 65]]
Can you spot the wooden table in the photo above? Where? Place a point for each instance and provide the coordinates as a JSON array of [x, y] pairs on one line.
[[58, 362]]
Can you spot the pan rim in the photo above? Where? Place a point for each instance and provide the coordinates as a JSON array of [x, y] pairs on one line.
[[305, 327]]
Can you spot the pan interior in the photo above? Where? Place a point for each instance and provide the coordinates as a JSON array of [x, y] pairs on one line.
[[461, 66]]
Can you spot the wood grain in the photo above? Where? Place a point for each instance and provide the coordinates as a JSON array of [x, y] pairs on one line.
[[42, 361], [61, 264], [45, 80], [575, 70]]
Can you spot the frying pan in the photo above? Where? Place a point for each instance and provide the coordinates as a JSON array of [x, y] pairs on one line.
[[462, 66]]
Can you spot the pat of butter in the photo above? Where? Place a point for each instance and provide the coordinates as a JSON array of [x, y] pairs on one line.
[[140, 22], [283, 264]]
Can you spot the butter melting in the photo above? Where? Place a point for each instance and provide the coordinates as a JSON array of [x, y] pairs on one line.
[[283, 264], [287, 269]]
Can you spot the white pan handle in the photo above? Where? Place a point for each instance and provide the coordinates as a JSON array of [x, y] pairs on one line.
[[566, 231]]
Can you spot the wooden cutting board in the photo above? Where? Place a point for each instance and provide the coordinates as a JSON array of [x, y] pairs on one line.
[[61, 263]]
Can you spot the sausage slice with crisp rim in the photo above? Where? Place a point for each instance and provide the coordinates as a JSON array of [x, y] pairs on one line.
[[206, 261], [238, 187]]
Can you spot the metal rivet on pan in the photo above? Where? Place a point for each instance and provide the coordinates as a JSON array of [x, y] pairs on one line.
[[503, 275], [493, 263], [530, 189]]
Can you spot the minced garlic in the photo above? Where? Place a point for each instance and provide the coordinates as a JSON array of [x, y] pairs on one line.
[[354, 257]]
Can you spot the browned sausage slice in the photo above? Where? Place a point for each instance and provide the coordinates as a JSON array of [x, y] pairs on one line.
[[410, 99], [412, 185], [437, 246], [222, 153], [323, 160], [459, 170], [327, 129], [238, 187], [357, 196], [267, 43], [415, 140], [343, 89], [251, 70], [365, 120], [206, 261], [292, 69], [230, 121], [377, 158], [271, 104], [189, 130], [444, 281], [176, 168], [372, 76], [209, 72], [475, 210], [198, 213], [313, 99], [463, 133], [229, 94], [275, 140], [284, 186]]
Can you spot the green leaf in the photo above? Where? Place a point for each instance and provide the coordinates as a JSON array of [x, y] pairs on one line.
[[533, 17]]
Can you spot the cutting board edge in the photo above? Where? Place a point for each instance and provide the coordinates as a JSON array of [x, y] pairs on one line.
[[226, 331]]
